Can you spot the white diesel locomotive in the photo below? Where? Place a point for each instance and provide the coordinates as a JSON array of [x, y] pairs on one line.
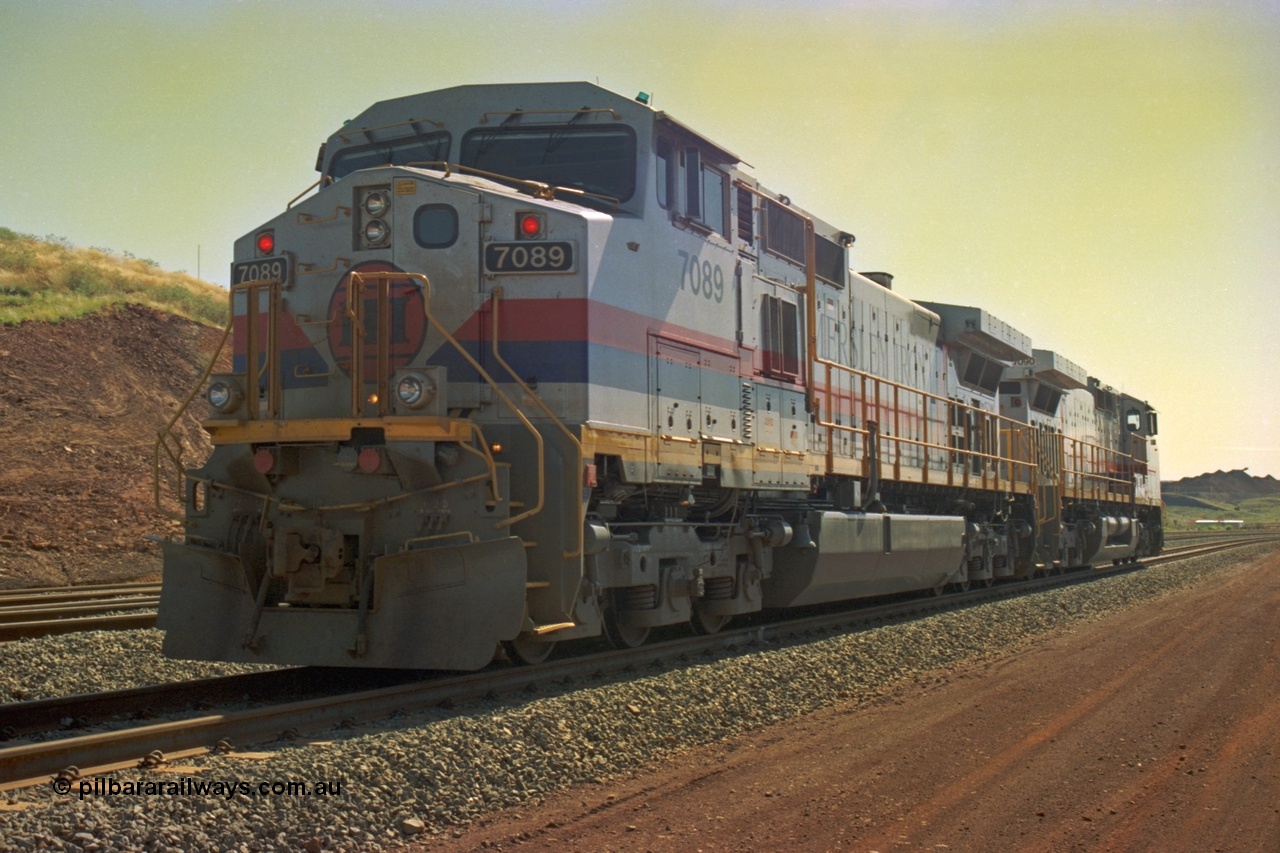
[[539, 362]]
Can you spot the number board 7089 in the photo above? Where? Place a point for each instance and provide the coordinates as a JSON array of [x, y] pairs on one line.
[[260, 270], [529, 257]]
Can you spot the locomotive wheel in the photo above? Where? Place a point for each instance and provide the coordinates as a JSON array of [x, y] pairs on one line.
[[962, 586], [527, 650], [705, 624], [624, 636]]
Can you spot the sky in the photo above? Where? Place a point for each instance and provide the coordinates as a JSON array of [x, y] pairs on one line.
[[1104, 176]]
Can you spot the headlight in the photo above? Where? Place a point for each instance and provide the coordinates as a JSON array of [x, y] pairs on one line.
[[375, 233], [376, 204], [415, 390], [224, 396]]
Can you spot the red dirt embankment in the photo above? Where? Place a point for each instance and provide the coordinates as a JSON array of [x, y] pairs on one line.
[[81, 402]]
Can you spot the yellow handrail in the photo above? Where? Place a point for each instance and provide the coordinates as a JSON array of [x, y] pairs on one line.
[[539, 189], [495, 298], [167, 432], [475, 365], [163, 435]]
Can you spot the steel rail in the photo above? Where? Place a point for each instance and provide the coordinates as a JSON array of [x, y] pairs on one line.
[[50, 627], [1180, 535], [42, 595], [35, 612], [65, 610], [80, 711]]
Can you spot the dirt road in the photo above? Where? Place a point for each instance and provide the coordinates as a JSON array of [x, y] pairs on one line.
[[1155, 729]]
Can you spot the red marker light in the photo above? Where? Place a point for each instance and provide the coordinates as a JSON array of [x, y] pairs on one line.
[[369, 460], [267, 242], [530, 225], [264, 460]]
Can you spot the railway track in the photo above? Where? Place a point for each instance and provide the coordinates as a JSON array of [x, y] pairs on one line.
[[1190, 536], [342, 698], [26, 613]]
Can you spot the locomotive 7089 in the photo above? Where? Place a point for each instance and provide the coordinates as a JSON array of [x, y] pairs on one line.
[[539, 362]]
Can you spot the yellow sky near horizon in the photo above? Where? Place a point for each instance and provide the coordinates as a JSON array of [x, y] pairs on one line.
[[1105, 176]]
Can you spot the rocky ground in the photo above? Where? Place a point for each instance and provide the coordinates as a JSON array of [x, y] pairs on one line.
[[1153, 728], [81, 402]]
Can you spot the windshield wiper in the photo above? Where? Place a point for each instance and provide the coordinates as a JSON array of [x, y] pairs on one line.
[[486, 141], [557, 137]]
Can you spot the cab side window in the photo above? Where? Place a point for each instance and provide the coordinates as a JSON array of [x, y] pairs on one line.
[[706, 193], [666, 168], [714, 186]]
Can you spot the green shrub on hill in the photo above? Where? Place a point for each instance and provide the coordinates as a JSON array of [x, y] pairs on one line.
[[50, 280]]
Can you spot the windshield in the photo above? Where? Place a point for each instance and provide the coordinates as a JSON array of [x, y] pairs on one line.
[[599, 160], [427, 148]]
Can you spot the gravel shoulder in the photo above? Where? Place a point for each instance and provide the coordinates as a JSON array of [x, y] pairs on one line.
[[1150, 729]]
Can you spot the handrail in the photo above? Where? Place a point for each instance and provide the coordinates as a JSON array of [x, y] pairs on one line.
[[484, 118], [309, 269], [355, 297], [163, 434], [355, 316], [309, 219], [301, 194], [165, 438], [1094, 481], [350, 131], [495, 298], [253, 374], [827, 390], [539, 189], [386, 276]]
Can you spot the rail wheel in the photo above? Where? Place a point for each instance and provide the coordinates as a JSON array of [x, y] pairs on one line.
[[623, 636], [704, 623], [528, 650]]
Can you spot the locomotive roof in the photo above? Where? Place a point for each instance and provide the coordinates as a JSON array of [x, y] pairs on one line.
[[506, 98], [983, 332]]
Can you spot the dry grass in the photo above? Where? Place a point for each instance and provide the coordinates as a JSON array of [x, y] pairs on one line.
[[50, 280]]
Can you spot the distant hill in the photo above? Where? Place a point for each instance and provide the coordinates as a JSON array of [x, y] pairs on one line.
[[1222, 495], [1220, 487]]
